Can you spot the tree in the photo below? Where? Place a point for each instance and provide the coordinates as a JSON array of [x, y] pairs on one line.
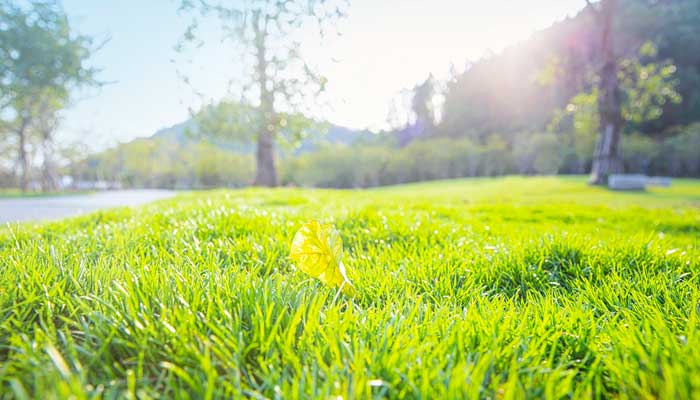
[[648, 87], [412, 113], [519, 88], [45, 123], [606, 155], [422, 103], [280, 80], [20, 127], [226, 122], [39, 56]]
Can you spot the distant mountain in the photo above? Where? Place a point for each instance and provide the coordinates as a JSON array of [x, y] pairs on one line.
[[177, 132], [333, 135]]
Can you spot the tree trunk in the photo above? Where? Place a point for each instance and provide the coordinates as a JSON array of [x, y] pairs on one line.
[[265, 174], [23, 155], [606, 156], [49, 181], [606, 159]]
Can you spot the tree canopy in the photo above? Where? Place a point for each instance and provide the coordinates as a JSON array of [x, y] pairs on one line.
[[42, 61], [276, 77], [541, 75]]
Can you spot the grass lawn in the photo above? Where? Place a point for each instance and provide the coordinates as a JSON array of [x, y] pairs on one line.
[[479, 288]]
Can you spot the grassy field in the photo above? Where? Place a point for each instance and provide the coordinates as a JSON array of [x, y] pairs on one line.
[[482, 288]]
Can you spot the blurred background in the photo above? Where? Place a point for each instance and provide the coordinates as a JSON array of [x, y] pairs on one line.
[[191, 94]]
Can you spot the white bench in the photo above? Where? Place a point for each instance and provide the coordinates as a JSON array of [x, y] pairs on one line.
[[636, 181], [627, 182], [664, 181]]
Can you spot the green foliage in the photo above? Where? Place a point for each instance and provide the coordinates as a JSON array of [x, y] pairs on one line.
[[337, 166], [639, 152], [236, 122], [539, 153], [521, 88], [42, 61], [276, 77], [647, 88], [154, 163], [422, 160], [167, 164], [39, 52], [580, 117], [482, 288], [365, 166], [675, 155], [676, 34], [680, 152], [422, 103], [531, 153], [160, 163]]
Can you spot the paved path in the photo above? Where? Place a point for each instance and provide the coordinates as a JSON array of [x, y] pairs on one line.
[[47, 208]]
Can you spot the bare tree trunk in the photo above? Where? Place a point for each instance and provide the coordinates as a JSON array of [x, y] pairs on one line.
[[23, 155], [606, 156], [49, 181], [266, 173], [47, 121]]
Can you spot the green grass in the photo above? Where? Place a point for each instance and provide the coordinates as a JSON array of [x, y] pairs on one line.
[[484, 288]]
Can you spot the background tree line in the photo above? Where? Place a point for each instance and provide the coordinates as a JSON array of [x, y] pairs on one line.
[[42, 63], [623, 64], [534, 108], [157, 163]]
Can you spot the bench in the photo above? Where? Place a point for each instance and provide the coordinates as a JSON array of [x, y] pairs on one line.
[[636, 181], [663, 181], [627, 182]]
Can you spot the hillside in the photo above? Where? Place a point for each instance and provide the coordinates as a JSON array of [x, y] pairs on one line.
[[331, 135], [174, 158], [520, 88]]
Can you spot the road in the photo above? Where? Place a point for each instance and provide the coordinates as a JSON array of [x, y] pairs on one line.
[[50, 208]]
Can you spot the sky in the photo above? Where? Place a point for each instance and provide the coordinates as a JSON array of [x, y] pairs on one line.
[[385, 46]]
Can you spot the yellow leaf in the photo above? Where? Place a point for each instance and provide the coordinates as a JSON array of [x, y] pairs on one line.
[[318, 251]]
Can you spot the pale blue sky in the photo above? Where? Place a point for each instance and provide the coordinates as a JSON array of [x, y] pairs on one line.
[[386, 45]]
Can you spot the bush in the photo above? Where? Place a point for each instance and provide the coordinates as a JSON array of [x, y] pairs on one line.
[[638, 153], [157, 163], [366, 166], [681, 153], [540, 153]]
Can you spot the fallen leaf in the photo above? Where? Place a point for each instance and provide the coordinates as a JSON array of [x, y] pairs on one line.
[[317, 250]]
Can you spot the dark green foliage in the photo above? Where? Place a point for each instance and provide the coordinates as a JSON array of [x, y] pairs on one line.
[[520, 88], [538, 153]]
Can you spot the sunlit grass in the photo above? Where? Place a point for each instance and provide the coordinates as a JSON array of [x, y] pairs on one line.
[[489, 288]]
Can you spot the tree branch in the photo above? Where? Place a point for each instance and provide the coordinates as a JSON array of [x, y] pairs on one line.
[[591, 7]]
